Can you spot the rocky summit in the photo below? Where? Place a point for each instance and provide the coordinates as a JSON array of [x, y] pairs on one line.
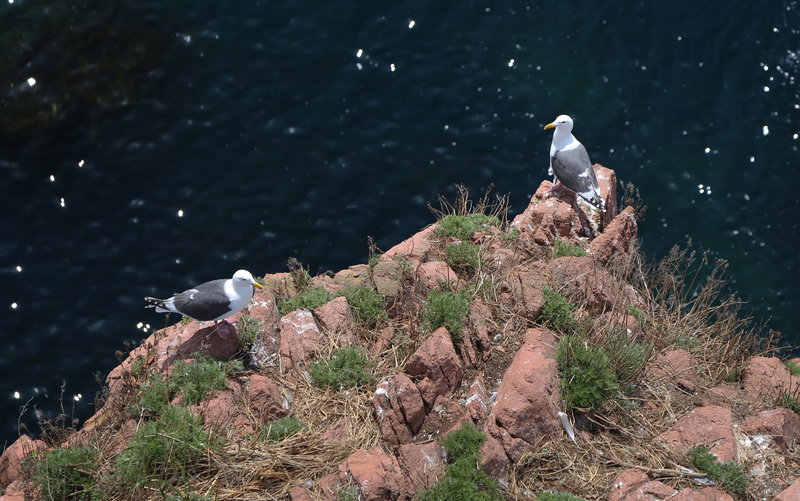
[[537, 358]]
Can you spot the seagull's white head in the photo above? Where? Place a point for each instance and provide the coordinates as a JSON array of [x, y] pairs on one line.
[[244, 277], [562, 122]]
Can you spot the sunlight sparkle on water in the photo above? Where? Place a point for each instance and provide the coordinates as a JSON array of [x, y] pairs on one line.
[[707, 150], [19, 268], [14, 306], [359, 52], [411, 24], [80, 163], [391, 67], [765, 130], [794, 136], [766, 88], [31, 81], [63, 203], [752, 159], [180, 212], [77, 397], [16, 393], [52, 178], [511, 63]]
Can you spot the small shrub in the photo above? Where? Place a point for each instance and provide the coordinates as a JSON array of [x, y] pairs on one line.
[[137, 367], [346, 368], [447, 309], [557, 496], [561, 249], [627, 357], [309, 299], [463, 227], [585, 373], [168, 448], [510, 236], [464, 442], [154, 396], [373, 260], [730, 474], [789, 402], [406, 267], [637, 313], [195, 379], [65, 473], [248, 328], [794, 369], [557, 312], [282, 428], [349, 493], [463, 256], [366, 303]]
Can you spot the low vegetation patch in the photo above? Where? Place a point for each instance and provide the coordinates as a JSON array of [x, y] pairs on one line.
[[558, 313], [194, 379], [789, 402], [730, 474], [585, 372], [366, 303], [463, 257], [447, 309], [248, 329], [463, 480], [558, 496], [794, 369], [65, 473], [348, 367], [310, 298], [282, 428], [561, 249], [463, 227], [627, 357]]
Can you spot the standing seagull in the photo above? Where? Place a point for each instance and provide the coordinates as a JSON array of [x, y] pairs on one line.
[[570, 162], [212, 300]]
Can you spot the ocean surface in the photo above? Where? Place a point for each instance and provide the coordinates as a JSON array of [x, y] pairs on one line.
[[149, 146]]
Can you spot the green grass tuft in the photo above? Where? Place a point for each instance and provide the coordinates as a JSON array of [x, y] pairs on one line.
[[248, 328], [282, 428], [196, 378], [169, 448], [154, 396], [585, 372], [464, 442], [557, 496], [309, 299], [636, 313], [463, 227], [627, 357], [789, 402], [558, 314], [447, 309], [730, 474], [561, 249], [348, 367], [794, 369], [65, 473], [366, 303], [463, 256], [510, 236]]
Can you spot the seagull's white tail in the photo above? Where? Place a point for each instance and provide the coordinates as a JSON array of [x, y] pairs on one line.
[[161, 305]]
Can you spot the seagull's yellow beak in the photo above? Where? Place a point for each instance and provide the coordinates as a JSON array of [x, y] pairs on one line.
[[256, 284], [549, 126]]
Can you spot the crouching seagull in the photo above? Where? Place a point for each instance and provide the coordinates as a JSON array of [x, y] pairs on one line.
[[214, 300], [570, 164]]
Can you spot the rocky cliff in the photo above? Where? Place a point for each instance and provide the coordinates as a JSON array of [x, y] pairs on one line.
[[577, 367]]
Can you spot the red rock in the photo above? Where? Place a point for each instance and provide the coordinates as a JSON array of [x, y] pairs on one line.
[[616, 239], [336, 317], [584, 281], [399, 409], [416, 248], [438, 366], [15, 492], [528, 401], [546, 219], [265, 399], [299, 338], [377, 475], [503, 259], [527, 283], [791, 493], [781, 425], [678, 367], [422, 464], [704, 494], [607, 181], [383, 340], [326, 283], [10, 468], [480, 322], [765, 379], [635, 485], [178, 341], [280, 282], [388, 278], [710, 426], [328, 487], [433, 273], [726, 395], [300, 493], [221, 410], [355, 276], [263, 307]]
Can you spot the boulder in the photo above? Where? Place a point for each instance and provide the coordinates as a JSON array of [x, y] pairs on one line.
[[704, 494], [416, 248], [527, 283], [547, 219], [711, 426], [355, 276], [433, 273], [480, 325], [765, 380], [10, 461], [422, 464], [607, 181], [336, 318], [378, 476], [387, 275], [781, 426], [265, 399], [300, 493], [635, 485], [583, 281], [221, 410], [437, 366], [16, 491], [527, 404], [264, 308], [791, 493], [299, 338], [616, 238], [678, 367], [399, 409]]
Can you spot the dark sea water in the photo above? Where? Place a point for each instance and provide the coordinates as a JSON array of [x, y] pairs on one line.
[[148, 146]]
